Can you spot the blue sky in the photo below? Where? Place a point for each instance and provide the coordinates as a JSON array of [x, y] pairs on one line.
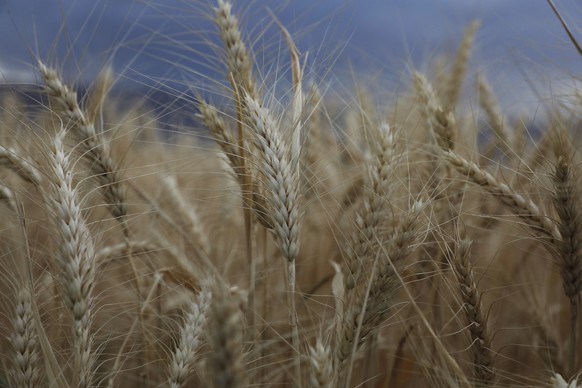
[[518, 38]]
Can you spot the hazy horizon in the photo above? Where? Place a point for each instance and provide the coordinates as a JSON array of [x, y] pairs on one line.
[[372, 37]]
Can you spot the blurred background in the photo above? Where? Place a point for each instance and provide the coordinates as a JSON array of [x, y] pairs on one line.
[[520, 45]]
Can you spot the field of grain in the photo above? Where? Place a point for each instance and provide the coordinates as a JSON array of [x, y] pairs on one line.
[[289, 238]]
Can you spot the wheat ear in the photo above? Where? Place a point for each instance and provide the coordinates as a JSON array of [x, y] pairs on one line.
[[94, 147], [226, 361], [237, 56], [240, 76], [454, 85], [375, 211], [19, 165], [474, 313], [98, 93], [521, 206], [495, 119], [440, 121], [569, 248], [188, 216], [25, 371], [320, 358], [192, 328], [282, 194], [367, 311], [76, 255], [297, 100], [225, 140]]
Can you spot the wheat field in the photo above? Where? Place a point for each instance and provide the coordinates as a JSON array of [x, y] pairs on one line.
[[288, 237]]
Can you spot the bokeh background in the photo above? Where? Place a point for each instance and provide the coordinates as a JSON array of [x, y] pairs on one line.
[[520, 46]]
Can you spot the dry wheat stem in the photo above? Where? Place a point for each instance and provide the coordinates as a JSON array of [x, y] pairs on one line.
[[75, 255], [247, 186], [350, 338], [460, 377], [113, 252], [115, 369]]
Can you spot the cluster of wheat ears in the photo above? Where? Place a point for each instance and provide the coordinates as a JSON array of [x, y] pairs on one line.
[[405, 243]]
